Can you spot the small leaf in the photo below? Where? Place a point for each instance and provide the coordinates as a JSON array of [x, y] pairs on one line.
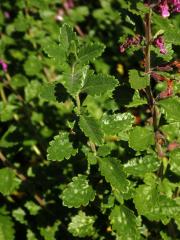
[[138, 80], [91, 129], [78, 192], [49, 231], [142, 165], [73, 80], [6, 226], [81, 225], [89, 52], [60, 148], [48, 92], [66, 36], [99, 84], [169, 108], [174, 157], [113, 172], [32, 66], [124, 223], [8, 181], [55, 51], [141, 138]]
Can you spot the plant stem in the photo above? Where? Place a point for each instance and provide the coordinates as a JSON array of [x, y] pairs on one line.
[[148, 90]]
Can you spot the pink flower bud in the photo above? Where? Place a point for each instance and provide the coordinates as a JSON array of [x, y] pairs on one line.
[[4, 65]]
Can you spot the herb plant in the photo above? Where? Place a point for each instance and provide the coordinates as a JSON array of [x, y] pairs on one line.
[[90, 120]]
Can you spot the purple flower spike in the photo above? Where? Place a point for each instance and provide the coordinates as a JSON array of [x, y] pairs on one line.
[[4, 65]]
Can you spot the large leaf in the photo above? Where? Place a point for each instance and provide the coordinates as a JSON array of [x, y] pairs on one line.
[[89, 52], [8, 181], [141, 138], [141, 165], [6, 226], [169, 108], [60, 148], [138, 80], [113, 172], [81, 225], [99, 84], [174, 157], [124, 223], [78, 192], [91, 129]]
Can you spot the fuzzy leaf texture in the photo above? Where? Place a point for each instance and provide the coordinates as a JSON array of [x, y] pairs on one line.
[[78, 192], [91, 129], [60, 148], [99, 84], [113, 172], [81, 225], [138, 80], [89, 52], [140, 138], [8, 181], [124, 223], [6, 226]]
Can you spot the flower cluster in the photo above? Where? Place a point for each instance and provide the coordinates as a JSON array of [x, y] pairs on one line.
[[4, 65], [165, 7], [159, 43], [136, 40]]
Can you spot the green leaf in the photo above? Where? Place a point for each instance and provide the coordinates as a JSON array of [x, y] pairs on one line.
[[150, 203], [78, 192], [18, 81], [117, 123], [73, 80], [99, 84], [8, 181], [66, 36], [32, 90], [47, 92], [138, 80], [81, 225], [89, 52], [19, 215], [6, 226], [55, 51], [136, 101], [172, 36], [32, 66], [140, 138], [169, 108], [113, 172], [60, 148], [91, 129], [174, 157], [49, 232], [141, 165], [124, 223]]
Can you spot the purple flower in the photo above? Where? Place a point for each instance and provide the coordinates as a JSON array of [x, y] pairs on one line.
[[136, 40], [68, 4], [4, 65], [159, 42], [164, 9]]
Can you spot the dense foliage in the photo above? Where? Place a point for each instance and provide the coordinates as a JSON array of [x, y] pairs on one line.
[[89, 119]]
